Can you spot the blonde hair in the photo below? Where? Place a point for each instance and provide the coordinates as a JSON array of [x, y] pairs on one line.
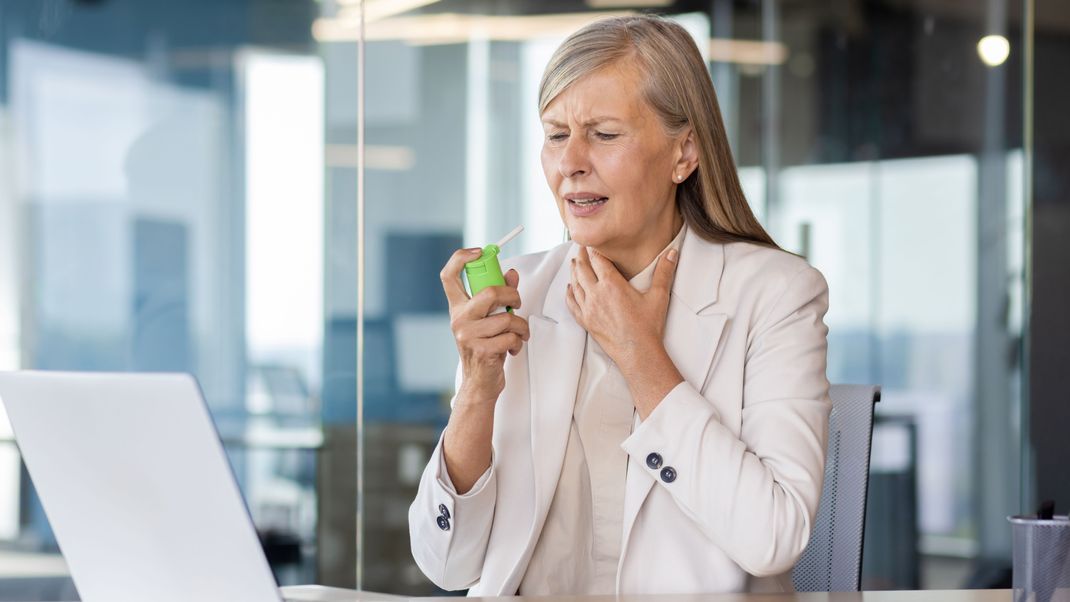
[[679, 89]]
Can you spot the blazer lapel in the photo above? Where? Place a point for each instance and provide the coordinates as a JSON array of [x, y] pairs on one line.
[[555, 356], [693, 325], [693, 330]]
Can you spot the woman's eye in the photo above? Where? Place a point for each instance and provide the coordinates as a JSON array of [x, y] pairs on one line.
[[556, 137], [605, 136]]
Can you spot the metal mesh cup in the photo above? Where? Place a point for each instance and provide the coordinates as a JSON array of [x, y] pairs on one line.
[[1041, 559]]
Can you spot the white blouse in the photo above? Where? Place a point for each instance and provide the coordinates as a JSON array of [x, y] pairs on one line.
[[579, 548]]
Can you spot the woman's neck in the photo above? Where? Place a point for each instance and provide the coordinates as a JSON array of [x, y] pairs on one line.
[[632, 258]]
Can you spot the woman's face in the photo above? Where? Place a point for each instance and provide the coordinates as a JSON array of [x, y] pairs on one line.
[[611, 165]]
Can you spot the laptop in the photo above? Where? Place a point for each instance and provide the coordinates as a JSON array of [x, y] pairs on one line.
[[138, 490]]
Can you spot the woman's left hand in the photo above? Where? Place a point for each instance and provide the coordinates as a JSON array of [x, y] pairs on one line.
[[627, 324]]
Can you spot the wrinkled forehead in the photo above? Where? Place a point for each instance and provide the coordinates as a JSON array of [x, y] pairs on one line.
[[614, 91]]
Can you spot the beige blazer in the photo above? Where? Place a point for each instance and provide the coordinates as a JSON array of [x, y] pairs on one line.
[[745, 435]]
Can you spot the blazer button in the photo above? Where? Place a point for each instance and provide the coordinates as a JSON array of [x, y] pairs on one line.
[[654, 460], [444, 511], [443, 523], [668, 474]]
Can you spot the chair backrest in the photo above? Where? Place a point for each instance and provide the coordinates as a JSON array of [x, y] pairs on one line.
[[832, 560]]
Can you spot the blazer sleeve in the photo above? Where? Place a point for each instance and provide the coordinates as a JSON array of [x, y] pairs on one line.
[[449, 532], [755, 495]]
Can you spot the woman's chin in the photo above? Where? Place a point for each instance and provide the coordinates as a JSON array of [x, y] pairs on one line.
[[587, 236], [586, 239]]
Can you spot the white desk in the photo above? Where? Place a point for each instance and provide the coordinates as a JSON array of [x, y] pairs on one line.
[[319, 593], [315, 593], [976, 595]]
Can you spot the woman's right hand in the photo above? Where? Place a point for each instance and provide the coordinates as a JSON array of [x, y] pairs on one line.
[[482, 338]]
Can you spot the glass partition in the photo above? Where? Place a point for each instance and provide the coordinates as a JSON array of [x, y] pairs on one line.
[[172, 199]]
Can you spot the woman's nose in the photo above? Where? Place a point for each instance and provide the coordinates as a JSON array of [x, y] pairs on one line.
[[574, 158]]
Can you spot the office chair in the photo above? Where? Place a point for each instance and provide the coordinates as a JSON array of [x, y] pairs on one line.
[[832, 562]]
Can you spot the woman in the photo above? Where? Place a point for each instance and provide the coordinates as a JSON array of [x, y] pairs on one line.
[[653, 417]]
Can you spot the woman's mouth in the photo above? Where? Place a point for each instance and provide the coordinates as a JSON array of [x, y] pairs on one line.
[[586, 206]]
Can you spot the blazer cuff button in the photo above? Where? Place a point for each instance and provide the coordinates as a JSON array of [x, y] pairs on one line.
[[668, 474]]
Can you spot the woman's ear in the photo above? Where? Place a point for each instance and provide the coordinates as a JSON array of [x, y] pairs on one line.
[[687, 155]]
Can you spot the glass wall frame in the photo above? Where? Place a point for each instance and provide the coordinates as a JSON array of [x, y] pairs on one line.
[[174, 196]]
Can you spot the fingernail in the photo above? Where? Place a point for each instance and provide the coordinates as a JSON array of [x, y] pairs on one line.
[[672, 255]]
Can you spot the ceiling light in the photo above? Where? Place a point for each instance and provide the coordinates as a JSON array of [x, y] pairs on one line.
[[747, 52], [629, 3], [452, 28], [993, 50], [376, 157]]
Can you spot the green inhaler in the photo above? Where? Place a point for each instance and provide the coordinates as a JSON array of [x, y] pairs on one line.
[[486, 271]]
